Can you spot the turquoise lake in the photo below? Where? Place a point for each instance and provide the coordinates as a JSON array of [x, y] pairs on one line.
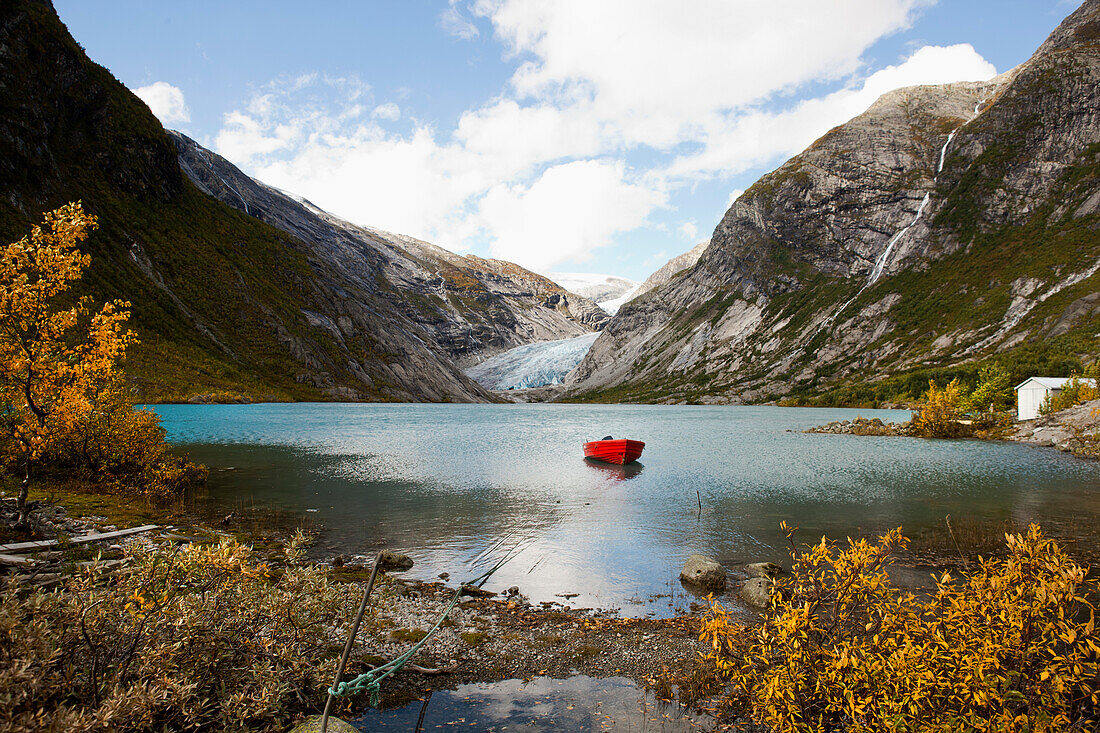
[[459, 487]]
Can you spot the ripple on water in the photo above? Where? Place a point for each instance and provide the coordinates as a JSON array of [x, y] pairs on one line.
[[459, 485]]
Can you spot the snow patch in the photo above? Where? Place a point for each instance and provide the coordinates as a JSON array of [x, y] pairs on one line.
[[608, 291]]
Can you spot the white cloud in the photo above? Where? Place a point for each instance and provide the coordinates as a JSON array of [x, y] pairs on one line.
[[387, 111], [688, 230], [654, 68], [739, 142], [456, 24], [568, 212], [697, 90], [166, 102]]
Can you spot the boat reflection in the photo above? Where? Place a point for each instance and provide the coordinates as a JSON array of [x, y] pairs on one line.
[[616, 472]]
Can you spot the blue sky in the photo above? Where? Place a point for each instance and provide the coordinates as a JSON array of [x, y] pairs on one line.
[[574, 135]]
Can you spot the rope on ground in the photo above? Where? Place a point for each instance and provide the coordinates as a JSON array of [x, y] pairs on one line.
[[371, 681]]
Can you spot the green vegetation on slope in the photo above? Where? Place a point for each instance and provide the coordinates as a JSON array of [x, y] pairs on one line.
[[217, 296]]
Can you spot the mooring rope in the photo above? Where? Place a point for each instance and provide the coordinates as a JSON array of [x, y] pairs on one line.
[[371, 681]]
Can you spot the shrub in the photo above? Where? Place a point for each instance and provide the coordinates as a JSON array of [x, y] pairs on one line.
[[1012, 647], [1076, 391], [939, 412], [992, 392], [192, 638], [122, 449]]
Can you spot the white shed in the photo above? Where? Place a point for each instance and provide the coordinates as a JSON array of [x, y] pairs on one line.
[[1031, 393]]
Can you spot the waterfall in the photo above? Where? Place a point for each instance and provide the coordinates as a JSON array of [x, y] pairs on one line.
[[883, 259], [943, 150], [880, 263]]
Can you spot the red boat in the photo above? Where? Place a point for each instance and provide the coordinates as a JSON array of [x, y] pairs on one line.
[[609, 450]]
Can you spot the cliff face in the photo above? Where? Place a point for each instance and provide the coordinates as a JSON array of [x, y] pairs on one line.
[[278, 304], [946, 223], [467, 308]]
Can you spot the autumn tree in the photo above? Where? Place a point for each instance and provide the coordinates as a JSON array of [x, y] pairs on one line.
[[54, 354], [939, 412]]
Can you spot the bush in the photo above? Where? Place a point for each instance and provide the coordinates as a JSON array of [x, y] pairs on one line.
[[189, 639], [1013, 647], [122, 448], [1076, 391], [992, 392], [939, 413]]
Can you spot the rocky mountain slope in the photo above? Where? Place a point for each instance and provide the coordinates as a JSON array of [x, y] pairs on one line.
[[468, 308], [946, 224], [309, 308], [673, 267]]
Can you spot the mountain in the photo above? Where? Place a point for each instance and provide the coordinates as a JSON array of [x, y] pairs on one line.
[[945, 226], [673, 267], [608, 291], [229, 302], [468, 308]]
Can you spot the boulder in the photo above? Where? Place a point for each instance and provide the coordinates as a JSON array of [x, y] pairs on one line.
[[312, 724], [705, 572], [763, 570], [390, 560], [757, 591]]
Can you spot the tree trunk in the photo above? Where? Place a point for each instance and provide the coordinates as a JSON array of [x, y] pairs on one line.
[[24, 489]]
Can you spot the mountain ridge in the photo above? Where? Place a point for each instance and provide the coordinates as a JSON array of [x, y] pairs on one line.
[[226, 305], [859, 260]]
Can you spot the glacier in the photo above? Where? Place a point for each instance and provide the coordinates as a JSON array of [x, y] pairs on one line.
[[532, 365]]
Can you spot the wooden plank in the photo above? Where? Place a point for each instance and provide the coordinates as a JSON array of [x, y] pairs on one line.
[[15, 560], [44, 544]]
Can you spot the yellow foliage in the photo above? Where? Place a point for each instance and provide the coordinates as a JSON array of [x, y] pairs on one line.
[[939, 412], [62, 399], [200, 637], [1076, 391], [1012, 647]]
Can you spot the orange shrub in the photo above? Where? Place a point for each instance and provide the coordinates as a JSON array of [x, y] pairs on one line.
[[1013, 647]]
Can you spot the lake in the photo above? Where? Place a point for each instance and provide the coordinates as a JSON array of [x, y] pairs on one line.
[[459, 487]]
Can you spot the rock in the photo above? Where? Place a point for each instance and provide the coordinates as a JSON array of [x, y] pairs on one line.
[[444, 576], [705, 572], [390, 560], [513, 591], [763, 570], [312, 724], [473, 590], [339, 561], [757, 591]]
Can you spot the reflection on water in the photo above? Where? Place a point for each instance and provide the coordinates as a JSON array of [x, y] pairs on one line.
[[617, 472], [578, 703], [459, 486]]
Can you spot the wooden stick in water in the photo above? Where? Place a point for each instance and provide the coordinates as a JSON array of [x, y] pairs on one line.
[[351, 641]]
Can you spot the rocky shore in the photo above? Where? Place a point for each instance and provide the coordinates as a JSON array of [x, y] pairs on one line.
[[492, 639], [860, 426], [1072, 430]]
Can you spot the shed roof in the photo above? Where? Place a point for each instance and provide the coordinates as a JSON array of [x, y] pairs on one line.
[[1054, 382]]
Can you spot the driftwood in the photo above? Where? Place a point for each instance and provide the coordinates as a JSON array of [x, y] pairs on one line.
[[431, 670], [15, 560], [46, 544]]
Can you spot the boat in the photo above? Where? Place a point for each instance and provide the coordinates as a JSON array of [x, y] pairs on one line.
[[610, 450]]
